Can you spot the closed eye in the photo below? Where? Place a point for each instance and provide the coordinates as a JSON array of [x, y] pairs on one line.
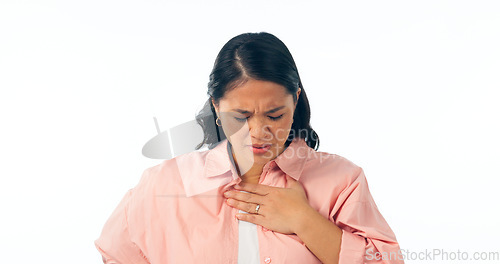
[[241, 119], [274, 118]]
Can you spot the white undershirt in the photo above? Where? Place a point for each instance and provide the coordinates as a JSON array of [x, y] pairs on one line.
[[248, 241], [248, 244]]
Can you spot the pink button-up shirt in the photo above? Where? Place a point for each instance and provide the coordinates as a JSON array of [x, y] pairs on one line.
[[177, 212]]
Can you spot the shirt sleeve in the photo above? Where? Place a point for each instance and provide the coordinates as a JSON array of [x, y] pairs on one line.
[[115, 244], [366, 236]]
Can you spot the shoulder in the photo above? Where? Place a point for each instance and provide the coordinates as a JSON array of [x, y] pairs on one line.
[[329, 166], [166, 176], [328, 178]]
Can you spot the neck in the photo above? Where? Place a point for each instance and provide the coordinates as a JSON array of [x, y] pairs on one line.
[[250, 179], [252, 175]]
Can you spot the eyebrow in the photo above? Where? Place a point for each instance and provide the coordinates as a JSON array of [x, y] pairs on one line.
[[268, 112]]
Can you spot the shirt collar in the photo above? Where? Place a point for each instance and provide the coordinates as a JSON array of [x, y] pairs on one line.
[[291, 161]]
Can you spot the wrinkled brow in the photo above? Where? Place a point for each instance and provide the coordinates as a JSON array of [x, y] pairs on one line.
[[268, 112]]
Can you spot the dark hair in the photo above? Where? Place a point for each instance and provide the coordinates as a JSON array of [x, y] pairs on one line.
[[258, 56]]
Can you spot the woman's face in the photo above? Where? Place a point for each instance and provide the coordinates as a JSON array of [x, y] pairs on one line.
[[256, 118]]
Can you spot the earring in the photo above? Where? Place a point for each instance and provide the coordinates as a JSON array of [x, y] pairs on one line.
[[217, 123]]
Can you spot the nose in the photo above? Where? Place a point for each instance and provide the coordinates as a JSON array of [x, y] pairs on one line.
[[259, 129]]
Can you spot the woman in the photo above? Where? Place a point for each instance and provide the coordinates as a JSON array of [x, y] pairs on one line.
[[261, 193]]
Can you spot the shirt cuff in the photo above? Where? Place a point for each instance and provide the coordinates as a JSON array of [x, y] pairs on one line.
[[352, 248], [131, 255]]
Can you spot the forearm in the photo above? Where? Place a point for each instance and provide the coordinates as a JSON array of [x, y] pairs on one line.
[[321, 236]]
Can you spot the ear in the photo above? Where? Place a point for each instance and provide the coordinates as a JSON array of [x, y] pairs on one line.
[[298, 93], [214, 105], [297, 96]]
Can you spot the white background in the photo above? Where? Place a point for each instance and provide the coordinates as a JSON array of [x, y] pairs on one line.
[[408, 90]]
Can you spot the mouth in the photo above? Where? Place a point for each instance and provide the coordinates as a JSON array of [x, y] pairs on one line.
[[260, 148], [260, 145]]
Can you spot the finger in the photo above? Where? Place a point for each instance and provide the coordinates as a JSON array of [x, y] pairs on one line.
[[243, 206], [254, 188], [245, 196], [252, 218]]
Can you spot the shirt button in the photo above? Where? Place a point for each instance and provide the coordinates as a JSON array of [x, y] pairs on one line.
[[267, 260]]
